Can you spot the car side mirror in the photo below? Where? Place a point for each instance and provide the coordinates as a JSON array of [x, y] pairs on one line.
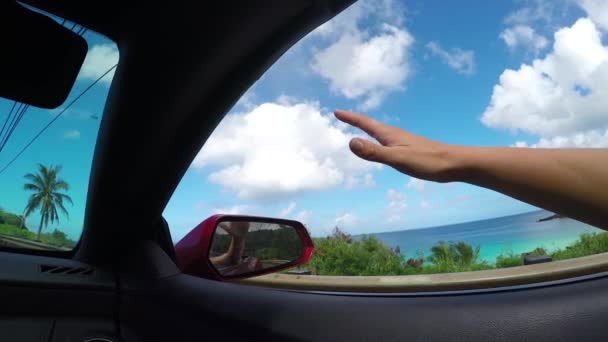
[[225, 247]]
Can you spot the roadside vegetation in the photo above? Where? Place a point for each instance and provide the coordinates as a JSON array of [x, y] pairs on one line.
[[340, 254], [48, 198], [55, 238]]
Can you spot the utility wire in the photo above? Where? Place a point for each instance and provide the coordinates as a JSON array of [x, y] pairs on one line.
[[19, 116], [10, 113], [16, 119], [55, 119], [81, 31], [13, 116]]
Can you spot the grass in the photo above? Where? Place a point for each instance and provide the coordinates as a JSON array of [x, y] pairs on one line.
[[55, 238], [9, 229]]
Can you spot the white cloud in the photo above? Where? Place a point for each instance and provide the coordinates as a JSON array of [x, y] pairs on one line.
[[592, 138], [365, 64], [365, 181], [597, 10], [424, 204], [396, 205], [287, 210], [99, 59], [72, 135], [345, 219], [303, 216], [461, 61], [366, 68], [416, 184], [368, 180], [351, 182], [289, 213], [523, 36], [239, 209], [562, 98], [345, 22], [385, 11], [278, 149], [537, 11], [396, 200], [520, 144]]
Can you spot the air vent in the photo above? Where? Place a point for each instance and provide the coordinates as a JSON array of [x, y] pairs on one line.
[[66, 270]]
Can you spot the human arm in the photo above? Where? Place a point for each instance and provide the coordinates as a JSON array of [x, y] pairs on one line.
[[571, 182], [234, 253]]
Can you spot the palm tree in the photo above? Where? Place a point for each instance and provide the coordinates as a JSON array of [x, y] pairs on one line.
[[47, 196]]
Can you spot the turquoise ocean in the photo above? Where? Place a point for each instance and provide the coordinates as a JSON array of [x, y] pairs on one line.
[[517, 233]]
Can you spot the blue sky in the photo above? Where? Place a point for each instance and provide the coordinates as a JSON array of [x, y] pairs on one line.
[[506, 73], [69, 142]]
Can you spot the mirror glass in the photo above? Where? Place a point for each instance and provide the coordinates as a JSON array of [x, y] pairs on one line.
[[241, 247]]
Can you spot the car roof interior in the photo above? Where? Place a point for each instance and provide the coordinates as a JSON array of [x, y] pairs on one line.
[[196, 60]]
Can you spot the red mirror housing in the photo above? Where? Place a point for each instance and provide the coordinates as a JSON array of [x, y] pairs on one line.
[[193, 252]]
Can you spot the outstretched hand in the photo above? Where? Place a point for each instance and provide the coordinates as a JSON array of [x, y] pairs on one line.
[[404, 151]]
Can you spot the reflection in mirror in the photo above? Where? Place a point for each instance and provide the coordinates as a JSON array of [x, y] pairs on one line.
[[241, 247]]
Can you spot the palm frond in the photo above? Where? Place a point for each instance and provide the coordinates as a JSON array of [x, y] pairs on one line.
[[59, 197], [60, 184], [35, 179], [33, 203], [31, 187]]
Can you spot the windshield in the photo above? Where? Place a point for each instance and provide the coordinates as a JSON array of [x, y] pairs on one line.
[[46, 155]]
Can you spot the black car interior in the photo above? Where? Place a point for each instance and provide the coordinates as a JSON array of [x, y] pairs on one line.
[[122, 284]]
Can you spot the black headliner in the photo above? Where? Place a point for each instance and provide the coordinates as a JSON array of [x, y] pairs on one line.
[[195, 65]]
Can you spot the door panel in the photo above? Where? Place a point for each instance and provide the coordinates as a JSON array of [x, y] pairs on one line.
[[51, 299], [185, 308]]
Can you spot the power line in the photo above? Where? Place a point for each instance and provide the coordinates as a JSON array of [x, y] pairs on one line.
[[12, 119], [8, 116], [81, 31], [11, 128], [55, 119], [19, 117]]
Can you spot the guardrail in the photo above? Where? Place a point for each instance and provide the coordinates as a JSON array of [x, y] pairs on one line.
[[519, 275], [15, 242]]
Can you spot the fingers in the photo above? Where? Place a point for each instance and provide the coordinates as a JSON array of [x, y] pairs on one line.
[[367, 124], [373, 152]]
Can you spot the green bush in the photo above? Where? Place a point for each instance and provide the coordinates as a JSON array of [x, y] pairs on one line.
[[339, 254], [10, 218], [365, 257], [57, 238], [509, 259], [587, 244], [455, 257]]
